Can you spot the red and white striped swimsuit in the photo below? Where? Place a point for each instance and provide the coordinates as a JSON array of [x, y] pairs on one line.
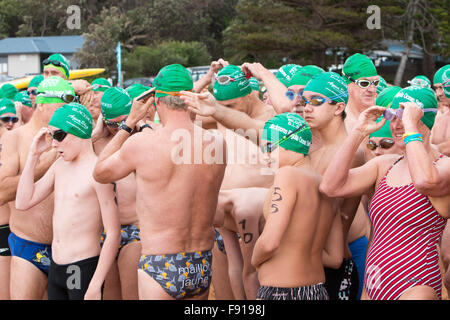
[[403, 252]]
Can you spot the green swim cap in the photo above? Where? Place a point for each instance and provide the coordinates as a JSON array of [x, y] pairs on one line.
[[331, 85], [23, 98], [446, 87], [421, 81], [34, 83], [100, 84], [440, 74], [254, 84], [283, 124], [73, 118], [7, 106], [65, 65], [358, 66], [115, 102], [306, 73], [384, 99], [136, 89], [8, 91], [382, 85], [384, 131], [172, 79], [425, 98], [286, 72], [237, 87], [55, 86]]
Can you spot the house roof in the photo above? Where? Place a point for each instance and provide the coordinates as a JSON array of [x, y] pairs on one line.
[[59, 44]]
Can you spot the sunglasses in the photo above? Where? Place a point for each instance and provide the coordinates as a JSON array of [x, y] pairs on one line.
[[390, 113], [363, 83], [9, 119], [385, 143], [32, 92], [56, 63], [227, 79], [291, 94], [113, 124], [419, 83], [269, 147], [318, 101], [68, 98], [58, 135]]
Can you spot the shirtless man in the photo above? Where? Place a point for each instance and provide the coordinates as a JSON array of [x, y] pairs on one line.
[[284, 98], [240, 212], [82, 206], [176, 221], [235, 101], [411, 199], [56, 65], [5, 252], [122, 282], [288, 254], [31, 230]]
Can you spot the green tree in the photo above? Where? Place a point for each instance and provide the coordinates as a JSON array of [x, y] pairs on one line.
[[148, 60], [297, 31]]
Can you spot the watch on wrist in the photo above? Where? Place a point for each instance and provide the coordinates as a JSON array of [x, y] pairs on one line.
[[123, 126]]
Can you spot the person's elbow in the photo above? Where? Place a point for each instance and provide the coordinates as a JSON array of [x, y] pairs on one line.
[[21, 204], [102, 174], [327, 190], [429, 186]]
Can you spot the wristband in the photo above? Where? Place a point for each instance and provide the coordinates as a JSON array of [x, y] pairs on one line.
[[412, 136], [407, 134], [410, 139]]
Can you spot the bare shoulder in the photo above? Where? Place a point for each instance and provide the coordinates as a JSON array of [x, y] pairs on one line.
[[296, 176]]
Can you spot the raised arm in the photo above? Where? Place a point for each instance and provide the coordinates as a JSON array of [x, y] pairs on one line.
[[275, 88], [10, 166], [30, 193], [282, 201], [429, 179], [116, 160], [206, 105], [339, 180], [205, 81], [111, 224]]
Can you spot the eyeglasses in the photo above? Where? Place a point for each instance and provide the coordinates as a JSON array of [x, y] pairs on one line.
[[56, 63], [9, 119], [269, 147], [419, 83], [32, 92], [58, 135], [364, 83], [390, 113], [291, 94], [98, 86], [385, 143], [113, 124], [68, 98], [227, 79]]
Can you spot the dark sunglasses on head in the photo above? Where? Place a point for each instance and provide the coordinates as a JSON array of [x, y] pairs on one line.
[[9, 119], [58, 135], [385, 143], [56, 63], [225, 79], [32, 92], [113, 124]]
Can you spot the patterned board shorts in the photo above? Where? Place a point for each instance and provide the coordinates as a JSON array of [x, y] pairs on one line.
[[315, 292], [181, 275]]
